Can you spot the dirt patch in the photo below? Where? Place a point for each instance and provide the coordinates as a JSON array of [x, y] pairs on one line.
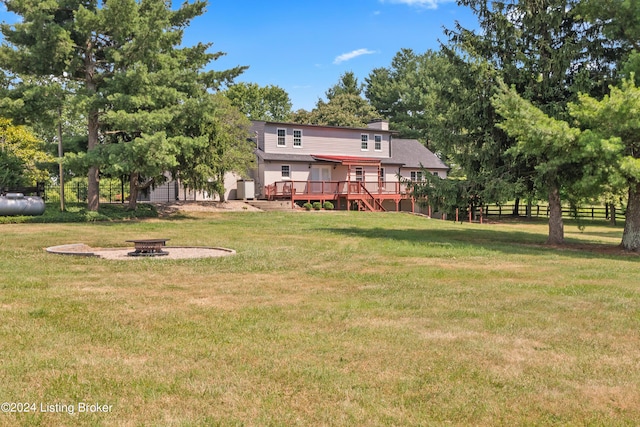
[[168, 209]]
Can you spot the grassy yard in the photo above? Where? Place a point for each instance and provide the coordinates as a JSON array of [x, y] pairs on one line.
[[332, 318]]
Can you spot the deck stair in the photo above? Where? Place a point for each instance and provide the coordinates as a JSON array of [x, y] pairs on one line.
[[370, 203]]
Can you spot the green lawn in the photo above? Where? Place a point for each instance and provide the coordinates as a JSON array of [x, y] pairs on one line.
[[322, 318]]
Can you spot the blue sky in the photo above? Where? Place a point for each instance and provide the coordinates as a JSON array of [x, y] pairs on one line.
[[304, 46]]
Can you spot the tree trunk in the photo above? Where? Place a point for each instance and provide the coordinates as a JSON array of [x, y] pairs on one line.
[[631, 234], [133, 192], [516, 207], [612, 213], [556, 226]]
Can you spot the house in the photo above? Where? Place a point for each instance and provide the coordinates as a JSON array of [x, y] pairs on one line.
[[356, 168], [173, 190]]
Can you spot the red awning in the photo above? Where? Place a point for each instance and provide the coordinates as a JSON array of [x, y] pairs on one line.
[[348, 160]]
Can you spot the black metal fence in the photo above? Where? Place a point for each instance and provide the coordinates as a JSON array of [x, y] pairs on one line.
[[111, 191]]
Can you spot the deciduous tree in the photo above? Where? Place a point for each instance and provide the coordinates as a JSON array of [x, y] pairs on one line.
[[270, 103], [22, 156]]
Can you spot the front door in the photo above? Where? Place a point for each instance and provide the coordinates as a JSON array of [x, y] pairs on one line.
[[320, 173]]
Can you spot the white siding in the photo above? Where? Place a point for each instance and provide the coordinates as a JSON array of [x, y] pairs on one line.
[[406, 173], [273, 172], [325, 141]]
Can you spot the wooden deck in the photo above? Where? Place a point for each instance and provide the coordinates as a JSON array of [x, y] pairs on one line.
[[366, 196]]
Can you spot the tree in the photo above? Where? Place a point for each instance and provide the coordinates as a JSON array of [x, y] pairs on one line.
[[616, 119], [301, 116], [343, 110], [22, 156], [108, 47], [407, 92], [547, 50], [11, 170], [445, 102], [270, 103], [226, 147], [347, 85], [568, 163]]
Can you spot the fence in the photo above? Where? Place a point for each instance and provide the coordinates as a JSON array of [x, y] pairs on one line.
[[590, 212], [111, 191]]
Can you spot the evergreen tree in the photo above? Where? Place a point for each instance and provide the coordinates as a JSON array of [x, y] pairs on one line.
[[545, 49], [132, 77], [347, 85]]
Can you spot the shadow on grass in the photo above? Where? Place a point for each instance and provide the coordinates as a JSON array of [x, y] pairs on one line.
[[506, 241]]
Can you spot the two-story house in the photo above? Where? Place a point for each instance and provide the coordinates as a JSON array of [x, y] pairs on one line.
[[363, 168]]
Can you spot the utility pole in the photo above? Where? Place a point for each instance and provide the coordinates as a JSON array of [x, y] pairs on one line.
[[60, 154]]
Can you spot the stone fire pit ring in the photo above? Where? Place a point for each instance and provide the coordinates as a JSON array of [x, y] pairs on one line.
[[173, 252]]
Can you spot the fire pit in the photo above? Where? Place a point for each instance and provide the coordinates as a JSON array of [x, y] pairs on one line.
[[148, 247]]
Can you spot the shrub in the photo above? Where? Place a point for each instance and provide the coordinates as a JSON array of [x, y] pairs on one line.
[[328, 206], [308, 206], [317, 206]]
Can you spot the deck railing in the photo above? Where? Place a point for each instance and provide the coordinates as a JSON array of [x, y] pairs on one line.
[[287, 189]]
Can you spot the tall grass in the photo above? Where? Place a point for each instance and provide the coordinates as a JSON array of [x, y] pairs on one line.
[[321, 319]]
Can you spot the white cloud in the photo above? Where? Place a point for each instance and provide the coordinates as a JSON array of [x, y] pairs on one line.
[[354, 54], [428, 4]]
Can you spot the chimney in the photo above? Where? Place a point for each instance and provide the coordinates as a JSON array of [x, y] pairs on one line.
[[379, 124]]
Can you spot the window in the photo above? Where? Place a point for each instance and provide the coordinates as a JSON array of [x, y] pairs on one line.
[[297, 138], [286, 171], [282, 133], [364, 142], [377, 142], [359, 174], [436, 174], [416, 176], [381, 174]]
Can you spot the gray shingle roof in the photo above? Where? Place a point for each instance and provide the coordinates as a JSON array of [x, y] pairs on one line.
[[407, 152], [277, 157], [412, 154]]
